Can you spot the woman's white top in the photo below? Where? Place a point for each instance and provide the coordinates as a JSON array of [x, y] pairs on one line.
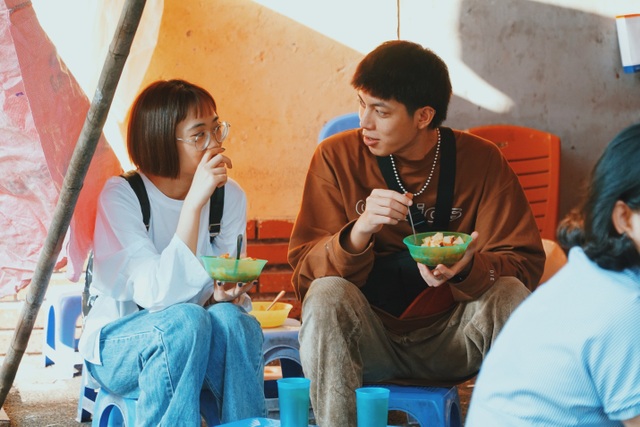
[[153, 269]]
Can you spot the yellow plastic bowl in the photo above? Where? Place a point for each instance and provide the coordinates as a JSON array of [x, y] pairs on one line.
[[432, 256], [233, 270], [272, 318]]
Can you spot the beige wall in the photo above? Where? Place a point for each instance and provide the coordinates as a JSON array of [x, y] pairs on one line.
[[277, 80], [274, 80], [279, 72]]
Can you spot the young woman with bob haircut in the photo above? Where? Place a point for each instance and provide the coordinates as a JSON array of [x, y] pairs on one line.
[[158, 331]]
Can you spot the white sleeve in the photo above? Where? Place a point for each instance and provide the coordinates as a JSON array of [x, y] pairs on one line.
[[127, 265]]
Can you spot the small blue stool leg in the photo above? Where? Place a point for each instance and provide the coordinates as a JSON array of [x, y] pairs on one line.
[[70, 310], [116, 411], [86, 404], [430, 406], [60, 343], [50, 335]]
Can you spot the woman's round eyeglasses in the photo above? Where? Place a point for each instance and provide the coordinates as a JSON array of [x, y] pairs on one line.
[[202, 140]]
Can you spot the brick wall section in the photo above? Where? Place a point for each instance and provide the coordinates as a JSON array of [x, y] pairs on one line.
[[269, 239]]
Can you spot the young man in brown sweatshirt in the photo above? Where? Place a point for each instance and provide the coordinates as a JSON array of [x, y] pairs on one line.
[[370, 313]]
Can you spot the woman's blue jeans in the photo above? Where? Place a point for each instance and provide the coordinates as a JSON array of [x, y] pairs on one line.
[[165, 358]]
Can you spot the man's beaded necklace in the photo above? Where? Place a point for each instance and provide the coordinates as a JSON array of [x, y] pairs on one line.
[[433, 168]]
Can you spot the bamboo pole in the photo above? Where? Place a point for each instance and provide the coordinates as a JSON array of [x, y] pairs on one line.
[[78, 166]]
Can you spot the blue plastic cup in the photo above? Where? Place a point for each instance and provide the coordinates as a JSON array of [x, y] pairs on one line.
[[372, 405], [293, 398]]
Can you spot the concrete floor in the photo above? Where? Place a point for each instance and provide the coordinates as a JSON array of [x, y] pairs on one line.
[[40, 398]]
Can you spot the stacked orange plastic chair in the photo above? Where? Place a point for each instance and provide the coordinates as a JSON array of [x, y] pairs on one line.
[[534, 155]]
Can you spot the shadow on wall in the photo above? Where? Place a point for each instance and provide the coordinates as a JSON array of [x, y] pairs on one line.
[[562, 70], [277, 81]]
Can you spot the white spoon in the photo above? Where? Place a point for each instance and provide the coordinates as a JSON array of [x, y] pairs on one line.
[[275, 300], [415, 238]]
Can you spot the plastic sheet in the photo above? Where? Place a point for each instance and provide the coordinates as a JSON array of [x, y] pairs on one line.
[[42, 111]]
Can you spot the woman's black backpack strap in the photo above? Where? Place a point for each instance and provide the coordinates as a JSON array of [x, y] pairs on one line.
[[135, 181], [216, 206], [87, 299]]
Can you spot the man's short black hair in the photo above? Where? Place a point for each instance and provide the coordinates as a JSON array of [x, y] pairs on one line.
[[408, 73]]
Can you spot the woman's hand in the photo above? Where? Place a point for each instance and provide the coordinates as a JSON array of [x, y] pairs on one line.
[[223, 291], [210, 174], [442, 274]]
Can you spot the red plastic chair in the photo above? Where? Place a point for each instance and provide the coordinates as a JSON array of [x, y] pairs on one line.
[[534, 156]]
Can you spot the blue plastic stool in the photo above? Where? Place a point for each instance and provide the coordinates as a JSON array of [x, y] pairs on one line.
[[339, 124], [60, 343], [106, 409], [116, 411], [87, 400], [111, 410], [430, 406], [281, 344]]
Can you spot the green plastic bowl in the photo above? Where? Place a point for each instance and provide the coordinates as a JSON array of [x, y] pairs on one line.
[[233, 270], [432, 256]]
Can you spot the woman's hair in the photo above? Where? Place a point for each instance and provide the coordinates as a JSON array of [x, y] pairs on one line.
[[615, 177], [408, 73], [153, 118]]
